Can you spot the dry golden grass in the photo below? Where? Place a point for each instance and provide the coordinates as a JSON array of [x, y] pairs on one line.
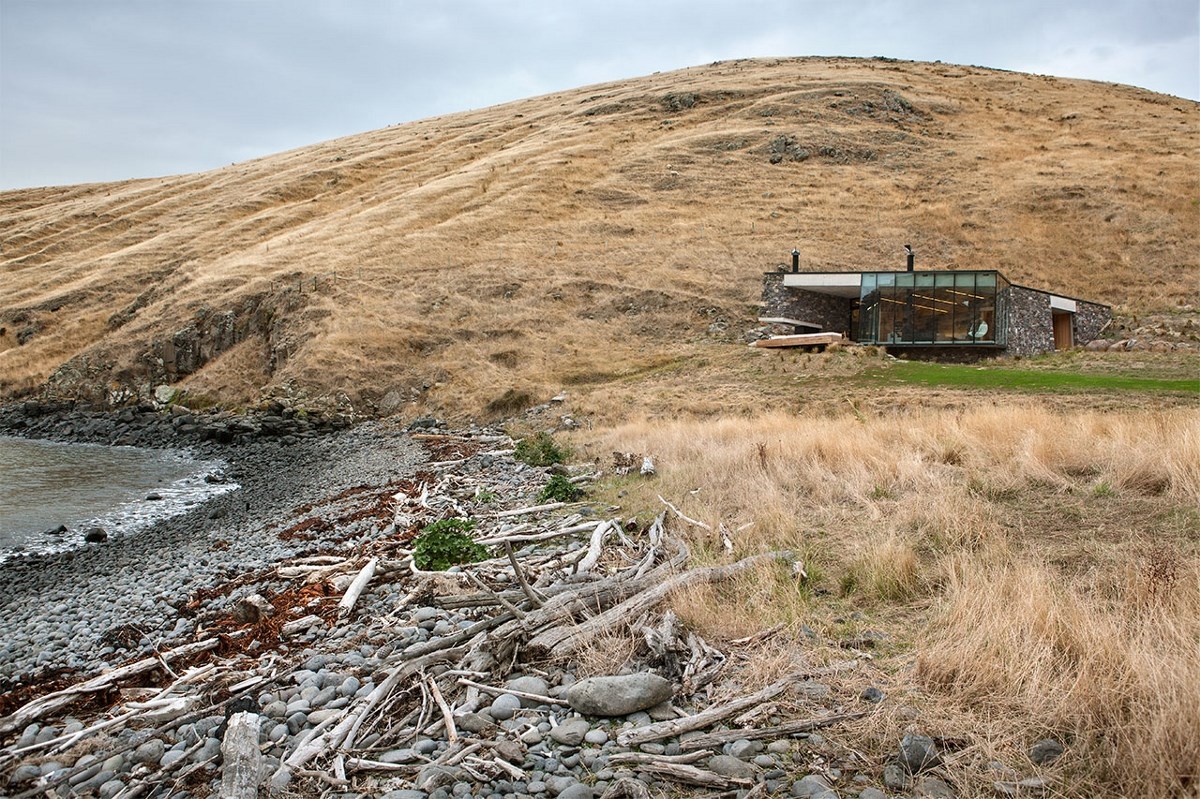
[[1038, 571], [1111, 671], [578, 238]]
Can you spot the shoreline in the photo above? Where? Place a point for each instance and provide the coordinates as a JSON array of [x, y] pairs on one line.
[[171, 482], [81, 610]]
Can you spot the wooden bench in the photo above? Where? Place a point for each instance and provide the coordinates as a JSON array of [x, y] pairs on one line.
[[817, 340]]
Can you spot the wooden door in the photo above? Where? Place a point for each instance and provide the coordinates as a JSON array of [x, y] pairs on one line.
[[1064, 337]]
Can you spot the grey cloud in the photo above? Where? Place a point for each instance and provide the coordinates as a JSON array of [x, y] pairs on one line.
[[124, 88]]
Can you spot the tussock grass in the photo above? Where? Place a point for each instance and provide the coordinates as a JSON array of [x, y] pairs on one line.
[[1022, 602], [946, 470], [1115, 675]]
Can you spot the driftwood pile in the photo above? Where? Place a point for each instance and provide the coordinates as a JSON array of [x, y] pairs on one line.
[[557, 580]]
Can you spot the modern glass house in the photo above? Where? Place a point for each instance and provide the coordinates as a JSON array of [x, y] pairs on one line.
[[935, 313], [942, 308]]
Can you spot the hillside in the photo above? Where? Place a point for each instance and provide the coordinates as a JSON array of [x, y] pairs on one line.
[[480, 262]]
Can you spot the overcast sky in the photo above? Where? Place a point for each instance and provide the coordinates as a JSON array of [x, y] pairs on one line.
[[95, 90]]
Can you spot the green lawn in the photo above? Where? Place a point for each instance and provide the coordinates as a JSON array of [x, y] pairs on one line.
[[975, 376]]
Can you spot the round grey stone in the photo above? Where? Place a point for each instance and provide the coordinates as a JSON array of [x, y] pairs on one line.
[[743, 749], [813, 786], [570, 732], [275, 710], [474, 722], [318, 716], [933, 788], [211, 748], [894, 777], [424, 614], [504, 707], [24, 773], [872, 695], [1045, 751], [400, 756], [85, 775], [110, 789], [149, 752], [918, 752], [596, 737], [170, 757], [577, 791], [529, 685], [729, 766]]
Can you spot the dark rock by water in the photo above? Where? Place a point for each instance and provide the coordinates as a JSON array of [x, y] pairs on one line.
[[95, 535]]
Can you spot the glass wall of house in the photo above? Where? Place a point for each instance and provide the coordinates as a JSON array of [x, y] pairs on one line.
[[933, 308]]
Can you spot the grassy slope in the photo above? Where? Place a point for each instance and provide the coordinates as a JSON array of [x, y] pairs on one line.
[[597, 233]]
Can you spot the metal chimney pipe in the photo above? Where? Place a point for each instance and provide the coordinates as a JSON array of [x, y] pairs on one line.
[[795, 261], [912, 257]]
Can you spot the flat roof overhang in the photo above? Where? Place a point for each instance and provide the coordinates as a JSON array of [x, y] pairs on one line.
[[839, 284]]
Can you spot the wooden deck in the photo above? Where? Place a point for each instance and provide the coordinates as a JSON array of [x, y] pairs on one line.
[[820, 340]]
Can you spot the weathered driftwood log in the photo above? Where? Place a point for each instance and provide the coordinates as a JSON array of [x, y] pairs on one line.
[[537, 599], [564, 605], [299, 625], [241, 759], [637, 758], [39, 707], [516, 536], [346, 606], [722, 737], [496, 691], [680, 772], [326, 737], [683, 517], [595, 547], [710, 716], [504, 514], [564, 640]]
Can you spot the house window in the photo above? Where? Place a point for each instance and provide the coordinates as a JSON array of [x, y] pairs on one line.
[[932, 308]]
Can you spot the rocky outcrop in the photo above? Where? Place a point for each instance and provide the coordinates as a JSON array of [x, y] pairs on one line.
[[103, 376]]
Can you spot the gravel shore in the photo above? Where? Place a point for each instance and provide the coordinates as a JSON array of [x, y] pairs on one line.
[[85, 609]]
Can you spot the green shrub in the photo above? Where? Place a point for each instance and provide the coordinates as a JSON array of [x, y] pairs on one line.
[[447, 543], [560, 489], [539, 450]]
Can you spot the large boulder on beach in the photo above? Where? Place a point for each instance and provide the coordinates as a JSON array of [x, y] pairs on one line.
[[95, 535], [618, 695]]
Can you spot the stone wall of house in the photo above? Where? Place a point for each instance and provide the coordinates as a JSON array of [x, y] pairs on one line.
[[1030, 326], [1031, 322], [1090, 321], [831, 313]]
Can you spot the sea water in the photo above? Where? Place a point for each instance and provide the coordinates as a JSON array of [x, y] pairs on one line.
[[45, 484]]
